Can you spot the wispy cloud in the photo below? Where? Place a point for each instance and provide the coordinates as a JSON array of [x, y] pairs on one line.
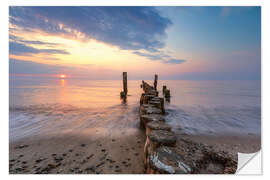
[[81, 70], [16, 48], [156, 56], [25, 67], [175, 61], [21, 40], [160, 56]]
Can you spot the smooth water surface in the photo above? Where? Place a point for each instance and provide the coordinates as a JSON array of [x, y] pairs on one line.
[[46, 106]]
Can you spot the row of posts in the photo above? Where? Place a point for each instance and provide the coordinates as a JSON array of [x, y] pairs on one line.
[[123, 94], [160, 139]]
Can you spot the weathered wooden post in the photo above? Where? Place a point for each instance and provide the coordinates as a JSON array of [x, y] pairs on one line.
[[164, 89], [167, 93], [155, 82], [162, 105], [123, 94], [125, 83], [142, 83]]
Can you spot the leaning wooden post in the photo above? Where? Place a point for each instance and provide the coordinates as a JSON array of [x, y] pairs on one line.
[[155, 82]]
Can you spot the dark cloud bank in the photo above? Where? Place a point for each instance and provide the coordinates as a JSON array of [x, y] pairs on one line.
[[129, 28]]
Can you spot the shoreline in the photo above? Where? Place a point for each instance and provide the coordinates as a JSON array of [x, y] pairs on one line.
[[77, 154]]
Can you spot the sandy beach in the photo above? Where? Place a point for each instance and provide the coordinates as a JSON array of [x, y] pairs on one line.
[[73, 154], [104, 136], [133, 89], [104, 155]]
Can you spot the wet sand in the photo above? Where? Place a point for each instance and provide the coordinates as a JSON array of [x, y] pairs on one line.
[[78, 155], [105, 155], [228, 143], [111, 145]]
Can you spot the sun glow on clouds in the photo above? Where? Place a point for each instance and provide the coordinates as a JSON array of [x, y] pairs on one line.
[[90, 36], [93, 54], [80, 52], [105, 41]]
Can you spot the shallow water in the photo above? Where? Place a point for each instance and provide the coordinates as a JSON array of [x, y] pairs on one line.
[[40, 106], [215, 107]]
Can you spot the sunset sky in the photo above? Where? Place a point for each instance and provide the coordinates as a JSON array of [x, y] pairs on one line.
[[197, 43]]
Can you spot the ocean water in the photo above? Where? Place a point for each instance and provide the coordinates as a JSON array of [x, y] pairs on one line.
[[47, 106]]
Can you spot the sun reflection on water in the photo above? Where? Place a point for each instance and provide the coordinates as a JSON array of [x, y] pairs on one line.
[[63, 82]]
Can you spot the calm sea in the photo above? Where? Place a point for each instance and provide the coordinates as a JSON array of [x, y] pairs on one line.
[[41, 107]]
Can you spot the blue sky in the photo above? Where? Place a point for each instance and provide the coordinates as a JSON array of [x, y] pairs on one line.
[[176, 42]]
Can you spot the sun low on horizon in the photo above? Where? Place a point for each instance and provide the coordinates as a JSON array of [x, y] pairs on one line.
[[99, 42], [62, 76], [133, 90]]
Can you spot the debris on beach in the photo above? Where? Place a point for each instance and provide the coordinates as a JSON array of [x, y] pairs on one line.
[[21, 146]]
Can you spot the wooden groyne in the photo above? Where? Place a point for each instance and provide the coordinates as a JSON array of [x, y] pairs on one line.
[[166, 153], [158, 155], [163, 154]]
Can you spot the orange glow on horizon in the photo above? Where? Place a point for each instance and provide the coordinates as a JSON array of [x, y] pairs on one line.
[[89, 56], [62, 76]]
